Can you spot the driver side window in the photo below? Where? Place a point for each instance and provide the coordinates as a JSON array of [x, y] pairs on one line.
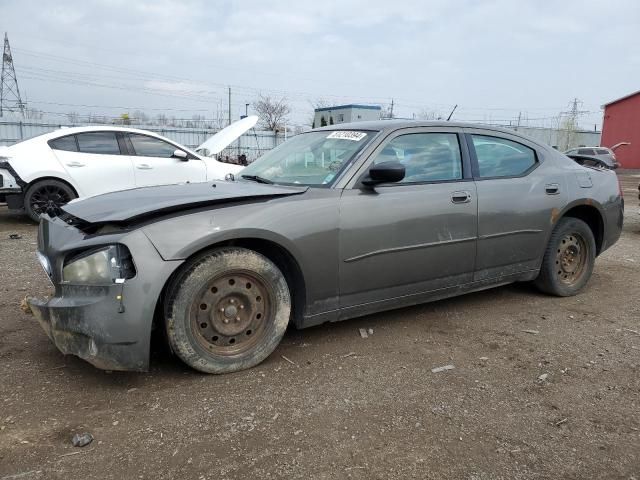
[[145, 146], [427, 157]]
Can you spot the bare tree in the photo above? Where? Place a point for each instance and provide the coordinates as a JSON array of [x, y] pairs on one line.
[[272, 112], [425, 114], [73, 117], [220, 117], [140, 118], [32, 113]]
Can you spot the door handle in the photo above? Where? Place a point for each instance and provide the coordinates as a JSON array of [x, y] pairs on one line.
[[75, 164], [144, 166], [461, 197], [552, 188]]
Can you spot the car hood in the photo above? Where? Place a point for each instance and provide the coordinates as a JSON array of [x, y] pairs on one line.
[[139, 203], [228, 135]]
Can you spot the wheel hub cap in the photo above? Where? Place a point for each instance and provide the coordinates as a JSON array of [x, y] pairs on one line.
[[48, 199], [231, 313], [571, 258]]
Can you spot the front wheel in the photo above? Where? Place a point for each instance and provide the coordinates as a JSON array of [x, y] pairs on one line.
[[47, 196], [568, 260], [227, 310]]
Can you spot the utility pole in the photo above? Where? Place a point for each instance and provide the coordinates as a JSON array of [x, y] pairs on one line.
[[229, 105], [10, 100], [391, 111], [518, 125]]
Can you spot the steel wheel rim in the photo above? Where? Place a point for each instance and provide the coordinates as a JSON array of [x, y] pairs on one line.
[[233, 313], [571, 258], [49, 199]]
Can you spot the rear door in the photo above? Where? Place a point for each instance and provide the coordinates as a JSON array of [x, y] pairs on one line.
[[519, 192], [155, 163], [95, 161]]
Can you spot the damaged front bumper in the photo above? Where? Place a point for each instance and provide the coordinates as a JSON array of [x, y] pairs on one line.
[[86, 321], [107, 325]]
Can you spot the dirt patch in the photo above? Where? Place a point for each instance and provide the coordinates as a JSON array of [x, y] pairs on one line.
[[559, 403]]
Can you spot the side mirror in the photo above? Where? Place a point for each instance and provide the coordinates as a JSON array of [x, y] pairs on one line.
[[384, 172], [181, 155]]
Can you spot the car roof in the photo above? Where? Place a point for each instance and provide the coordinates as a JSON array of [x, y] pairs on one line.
[[61, 132], [64, 131], [392, 125]]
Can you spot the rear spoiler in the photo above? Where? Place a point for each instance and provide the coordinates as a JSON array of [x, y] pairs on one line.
[[589, 161]]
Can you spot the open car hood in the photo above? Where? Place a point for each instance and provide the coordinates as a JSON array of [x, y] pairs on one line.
[[618, 145], [227, 135], [140, 203]]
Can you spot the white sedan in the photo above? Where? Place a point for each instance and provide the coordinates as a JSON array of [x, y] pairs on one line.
[[43, 173]]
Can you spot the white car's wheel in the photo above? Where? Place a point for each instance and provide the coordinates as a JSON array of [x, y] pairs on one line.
[[47, 196]]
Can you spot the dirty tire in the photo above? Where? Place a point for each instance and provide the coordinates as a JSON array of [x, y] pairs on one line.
[[227, 310], [47, 196], [568, 259]]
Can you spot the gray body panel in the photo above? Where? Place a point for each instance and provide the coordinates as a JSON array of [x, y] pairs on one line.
[[359, 250]]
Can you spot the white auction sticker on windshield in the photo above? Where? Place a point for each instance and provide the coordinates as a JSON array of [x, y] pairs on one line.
[[347, 135]]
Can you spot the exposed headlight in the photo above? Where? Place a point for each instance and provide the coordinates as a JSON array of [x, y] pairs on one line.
[[112, 264]]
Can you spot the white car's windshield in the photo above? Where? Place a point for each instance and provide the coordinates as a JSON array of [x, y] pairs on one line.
[[312, 159]]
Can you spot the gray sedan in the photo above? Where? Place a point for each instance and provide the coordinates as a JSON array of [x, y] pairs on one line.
[[336, 223]]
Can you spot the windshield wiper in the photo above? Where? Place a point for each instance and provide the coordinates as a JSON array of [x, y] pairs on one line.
[[257, 178]]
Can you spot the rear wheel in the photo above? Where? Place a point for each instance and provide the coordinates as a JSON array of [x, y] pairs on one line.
[[227, 311], [47, 196], [569, 258]]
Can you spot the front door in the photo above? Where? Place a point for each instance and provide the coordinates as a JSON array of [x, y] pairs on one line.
[[414, 236], [155, 164]]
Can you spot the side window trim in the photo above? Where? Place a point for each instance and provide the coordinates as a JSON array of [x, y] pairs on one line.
[[115, 135], [131, 148], [475, 166], [464, 157], [122, 145], [54, 140]]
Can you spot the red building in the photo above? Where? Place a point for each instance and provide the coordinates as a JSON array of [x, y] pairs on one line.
[[621, 123]]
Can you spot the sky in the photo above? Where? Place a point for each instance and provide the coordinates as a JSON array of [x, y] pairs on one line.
[[496, 60]]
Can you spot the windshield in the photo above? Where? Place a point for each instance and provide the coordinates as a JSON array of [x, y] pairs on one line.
[[312, 159]]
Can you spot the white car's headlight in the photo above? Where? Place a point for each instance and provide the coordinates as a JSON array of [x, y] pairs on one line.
[[112, 264]]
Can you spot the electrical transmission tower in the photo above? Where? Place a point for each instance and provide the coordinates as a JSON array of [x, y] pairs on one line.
[[10, 100], [567, 132]]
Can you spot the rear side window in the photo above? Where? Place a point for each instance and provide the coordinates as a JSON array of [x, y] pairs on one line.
[[145, 146], [104, 143], [585, 151], [427, 157], [499, 157], [67, 143], [602, 151]]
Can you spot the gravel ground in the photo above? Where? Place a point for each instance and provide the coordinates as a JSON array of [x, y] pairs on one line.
[[347, 407]]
